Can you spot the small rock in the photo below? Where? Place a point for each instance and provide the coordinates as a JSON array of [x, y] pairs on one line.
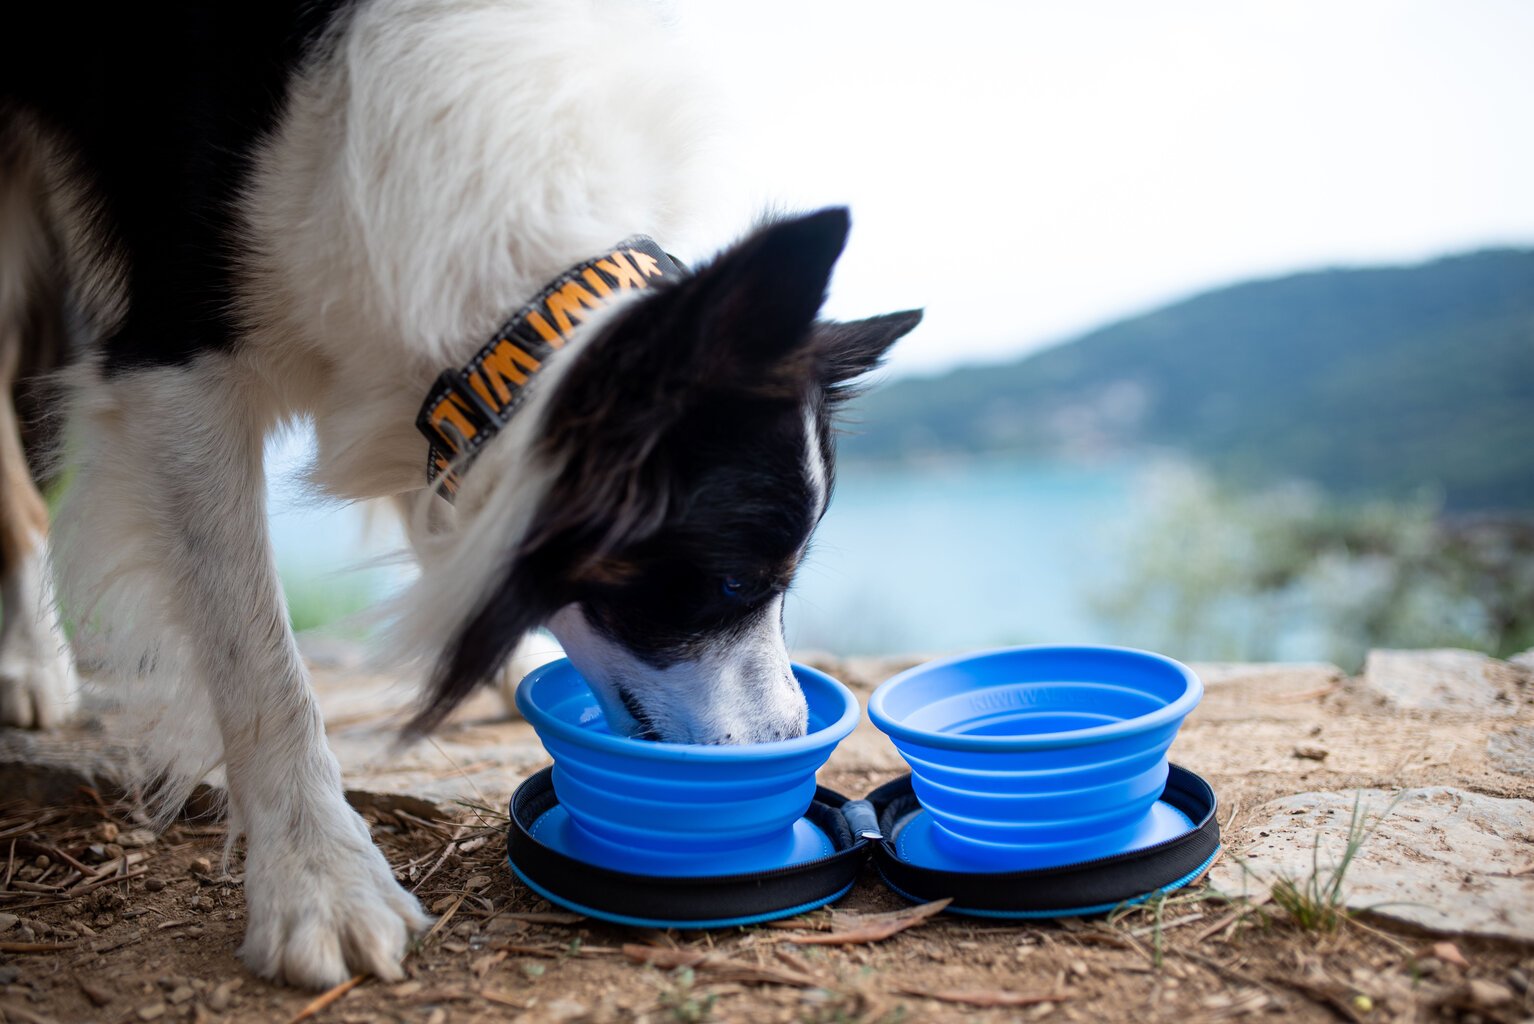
[[200, 866], [1449, 953], [478, 882], [1518, 980], [1079, 968], [437, 1016], [195, 902], [105, 832], [565, 1010], [136, 838], [113, 851], [9, 973], [153, 1012], [154, 884], [454, 946], [220, 998], [1310, 752], [1489, 994], [180, 995], [405, 988], [41, 861], [8, 921], [97, 994]]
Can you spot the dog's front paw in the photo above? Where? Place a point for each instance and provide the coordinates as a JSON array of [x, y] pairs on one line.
[[325, 908], [37, 689]]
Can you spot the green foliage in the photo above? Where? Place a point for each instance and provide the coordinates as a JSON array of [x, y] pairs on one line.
[[1214, 573], [1379, 381], [332, 601], [686, 1005]]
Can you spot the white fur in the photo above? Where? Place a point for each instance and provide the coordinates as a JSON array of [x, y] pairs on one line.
[[443, 160], [38, 688], [815, 465], [742, 693]]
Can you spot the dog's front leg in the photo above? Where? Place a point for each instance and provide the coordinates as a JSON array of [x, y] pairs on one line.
[[174, 467]]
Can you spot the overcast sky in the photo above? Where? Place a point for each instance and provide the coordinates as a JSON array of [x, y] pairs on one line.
[[1028, 170]]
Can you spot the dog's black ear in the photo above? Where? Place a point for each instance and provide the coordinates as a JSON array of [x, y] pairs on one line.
[[846, 351], [759, 299]]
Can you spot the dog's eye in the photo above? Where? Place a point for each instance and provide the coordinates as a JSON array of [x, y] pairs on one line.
[[732, 587]]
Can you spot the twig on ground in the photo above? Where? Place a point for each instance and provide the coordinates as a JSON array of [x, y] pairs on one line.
[[874, 931], [324, 999], [725, 968], [985, 997]]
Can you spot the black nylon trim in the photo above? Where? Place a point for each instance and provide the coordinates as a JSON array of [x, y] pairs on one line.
[[679, 900], [1104, 881]]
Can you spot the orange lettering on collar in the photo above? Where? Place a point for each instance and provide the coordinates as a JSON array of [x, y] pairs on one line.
[[451, 424], [622, 271], [571, 301], [646, 263], [505, 362]]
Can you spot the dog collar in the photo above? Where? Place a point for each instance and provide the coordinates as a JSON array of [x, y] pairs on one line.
[[466, 408]]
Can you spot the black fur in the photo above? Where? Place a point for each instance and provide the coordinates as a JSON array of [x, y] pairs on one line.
[[162, 104], [683, 506]]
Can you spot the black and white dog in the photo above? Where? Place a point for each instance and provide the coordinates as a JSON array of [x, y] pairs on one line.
[[253, 213]]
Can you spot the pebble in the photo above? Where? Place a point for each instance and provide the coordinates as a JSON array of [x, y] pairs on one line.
[[201, 866], [105, 832], [154, 884], [154, 1012], [97, 994], [8, 921], [220, 998], [1489, 993], [1079, 968], [136, 838], [180, 995], [1311, 752], [562, 1010], [1518, 980]]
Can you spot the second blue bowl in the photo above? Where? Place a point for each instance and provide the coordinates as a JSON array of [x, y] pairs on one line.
[[1037, 756]]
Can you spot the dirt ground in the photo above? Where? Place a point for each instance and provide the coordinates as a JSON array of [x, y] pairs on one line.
[[101, 921]]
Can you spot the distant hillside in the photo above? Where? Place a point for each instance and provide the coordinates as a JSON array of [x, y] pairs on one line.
[[1365, 381]]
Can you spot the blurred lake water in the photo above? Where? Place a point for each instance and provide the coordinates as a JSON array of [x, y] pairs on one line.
[[942, 557]]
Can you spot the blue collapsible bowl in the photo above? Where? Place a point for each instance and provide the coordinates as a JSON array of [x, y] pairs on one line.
[[1037, 756], [680, 809]]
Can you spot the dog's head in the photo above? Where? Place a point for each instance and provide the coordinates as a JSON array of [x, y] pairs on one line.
[[690, 450]]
